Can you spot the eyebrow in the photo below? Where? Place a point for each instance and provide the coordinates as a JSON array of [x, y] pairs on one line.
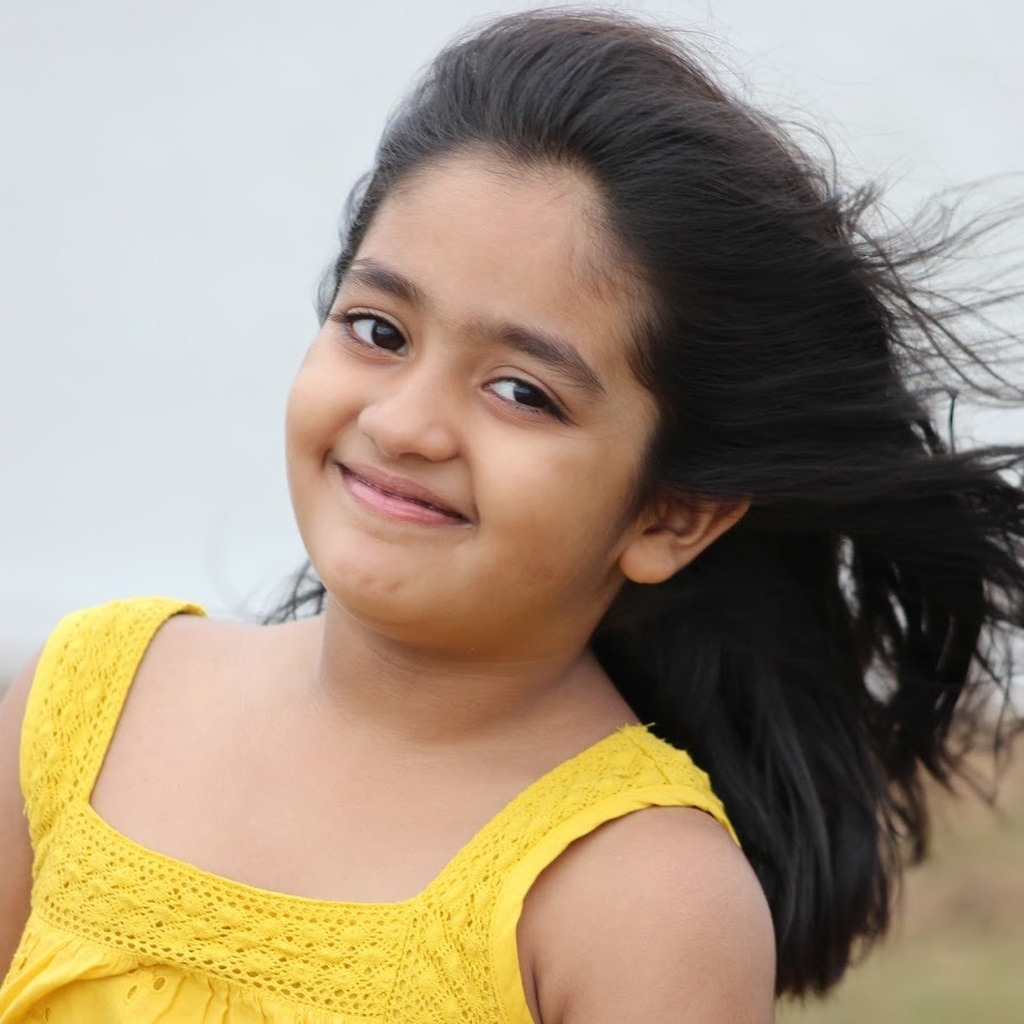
[[370, 272], [541, 345], [552, 351]]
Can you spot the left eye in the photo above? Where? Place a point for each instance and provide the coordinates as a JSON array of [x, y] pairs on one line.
[[520, 393], [372, 330]]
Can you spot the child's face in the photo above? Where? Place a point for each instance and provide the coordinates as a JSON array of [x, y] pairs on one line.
[[476, 359]]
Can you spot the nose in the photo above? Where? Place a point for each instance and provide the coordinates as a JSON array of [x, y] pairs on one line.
[[414, 413]]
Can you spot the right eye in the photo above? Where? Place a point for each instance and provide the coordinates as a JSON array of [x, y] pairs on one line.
[[374, 331]]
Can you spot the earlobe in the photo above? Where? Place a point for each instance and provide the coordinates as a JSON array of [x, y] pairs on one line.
[[673, 533]]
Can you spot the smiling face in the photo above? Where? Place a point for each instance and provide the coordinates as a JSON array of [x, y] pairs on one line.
[[465, 435]]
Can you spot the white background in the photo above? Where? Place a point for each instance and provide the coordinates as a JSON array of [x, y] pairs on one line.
[[170, 180]]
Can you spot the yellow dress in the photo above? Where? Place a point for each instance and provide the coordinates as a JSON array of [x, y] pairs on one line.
[[119, 933]]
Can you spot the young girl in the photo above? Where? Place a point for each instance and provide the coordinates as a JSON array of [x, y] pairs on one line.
[[615, 449]]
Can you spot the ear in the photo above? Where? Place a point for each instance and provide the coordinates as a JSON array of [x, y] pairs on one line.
[[672, 533]]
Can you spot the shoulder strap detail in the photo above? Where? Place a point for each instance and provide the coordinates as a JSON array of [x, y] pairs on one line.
[[76, 697], [648, 773]]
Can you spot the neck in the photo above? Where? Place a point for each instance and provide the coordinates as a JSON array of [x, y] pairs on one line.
[[416, 695]]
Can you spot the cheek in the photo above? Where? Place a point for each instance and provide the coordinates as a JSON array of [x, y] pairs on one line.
[[308, 436], [311, 410], [296, 447], [293, 415], [572, 502]]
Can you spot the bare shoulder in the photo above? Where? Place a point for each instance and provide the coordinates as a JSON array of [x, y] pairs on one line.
[[183, 662], [191, 703], [187, 640], [198, 672], [15, 848], [656, 916], [195, 650]]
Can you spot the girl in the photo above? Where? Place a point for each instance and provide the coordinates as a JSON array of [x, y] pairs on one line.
[[614, 450]]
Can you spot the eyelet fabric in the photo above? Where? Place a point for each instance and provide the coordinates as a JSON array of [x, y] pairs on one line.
[[120, 933]]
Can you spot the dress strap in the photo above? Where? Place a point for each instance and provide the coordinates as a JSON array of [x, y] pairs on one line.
[[77, 694], [631, 771]]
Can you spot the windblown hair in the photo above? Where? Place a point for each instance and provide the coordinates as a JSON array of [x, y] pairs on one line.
[[833, 647]]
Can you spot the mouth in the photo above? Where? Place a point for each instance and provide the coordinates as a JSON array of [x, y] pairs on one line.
[[398, 498]]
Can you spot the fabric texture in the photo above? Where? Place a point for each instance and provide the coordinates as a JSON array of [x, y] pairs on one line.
[[120, 933]]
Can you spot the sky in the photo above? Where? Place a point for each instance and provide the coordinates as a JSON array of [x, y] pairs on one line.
[[169, 192]]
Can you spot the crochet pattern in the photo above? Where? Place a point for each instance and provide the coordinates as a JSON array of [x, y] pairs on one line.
[[119, 932]]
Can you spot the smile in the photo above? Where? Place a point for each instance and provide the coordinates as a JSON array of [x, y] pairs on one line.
[[396, 498]]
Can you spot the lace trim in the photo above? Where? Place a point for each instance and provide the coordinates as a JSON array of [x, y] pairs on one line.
[[429, 957]]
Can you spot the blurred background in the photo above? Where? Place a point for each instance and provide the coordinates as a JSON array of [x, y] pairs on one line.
[[171, 180]]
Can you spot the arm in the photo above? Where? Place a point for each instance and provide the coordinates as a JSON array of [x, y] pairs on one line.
[[656, 917], [15, 850]]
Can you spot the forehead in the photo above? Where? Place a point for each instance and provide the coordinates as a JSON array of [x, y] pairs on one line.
[[483, 237]]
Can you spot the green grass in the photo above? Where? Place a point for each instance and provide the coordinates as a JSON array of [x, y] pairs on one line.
[[956, 955]]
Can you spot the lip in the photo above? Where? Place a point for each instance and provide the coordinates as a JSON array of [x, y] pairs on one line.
[[397, 497]]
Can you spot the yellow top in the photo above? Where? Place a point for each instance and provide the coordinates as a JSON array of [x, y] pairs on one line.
[[120, 933]]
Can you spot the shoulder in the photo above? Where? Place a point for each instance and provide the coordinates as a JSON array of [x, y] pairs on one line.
[[15, 845], [85, 669], [656, 916], [197, 647], [105, 638], [137, 659], [191, 705], [187, 642], [197, 661], [200, 673]]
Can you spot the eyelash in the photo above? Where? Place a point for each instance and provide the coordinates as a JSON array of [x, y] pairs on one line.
[[347, 320]]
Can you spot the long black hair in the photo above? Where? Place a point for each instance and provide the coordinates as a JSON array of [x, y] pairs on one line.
[[813, 658]]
